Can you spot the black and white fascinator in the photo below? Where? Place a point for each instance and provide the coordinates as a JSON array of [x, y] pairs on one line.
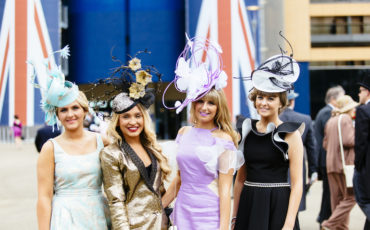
[[277, 74], [127, 86]]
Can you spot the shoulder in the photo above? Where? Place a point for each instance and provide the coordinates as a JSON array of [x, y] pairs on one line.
[[291, 127], [47, 147], [111, 151], [184, 130], [293, 138], [222, 135], [46, 154], [322, 112], [363, 109]]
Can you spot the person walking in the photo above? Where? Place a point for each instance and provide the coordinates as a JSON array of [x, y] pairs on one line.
[[322, 117], [308, 140], [68, 169], [361, 183], [342, 199], [17, 131], [263, 197], [207, 156]]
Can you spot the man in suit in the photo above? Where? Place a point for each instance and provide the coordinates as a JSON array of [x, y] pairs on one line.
[[308, 140], [322, 117], [44, 134], [361, 177]]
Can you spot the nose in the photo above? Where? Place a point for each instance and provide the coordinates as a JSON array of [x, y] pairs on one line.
[[69, 113], [264, 101], [204, 106], [132, 121]]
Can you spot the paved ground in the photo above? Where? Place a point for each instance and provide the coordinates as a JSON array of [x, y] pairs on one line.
[[19, 190]]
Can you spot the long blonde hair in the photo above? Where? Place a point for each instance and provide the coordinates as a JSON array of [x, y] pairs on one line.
[[222, 119], [148, 138]]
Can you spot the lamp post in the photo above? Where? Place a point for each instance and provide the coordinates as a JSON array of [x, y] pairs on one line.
[[254, 9]]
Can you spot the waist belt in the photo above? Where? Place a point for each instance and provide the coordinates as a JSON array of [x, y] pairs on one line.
[[266, 185], [78, 192]]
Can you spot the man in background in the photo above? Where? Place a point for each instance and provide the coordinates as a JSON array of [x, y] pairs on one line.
[[322, 117], [361, 180], [44, 134]]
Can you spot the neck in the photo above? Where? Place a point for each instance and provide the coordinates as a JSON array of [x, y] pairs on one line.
[[133, 140], [266, 120], [208, 125], [74, 134]]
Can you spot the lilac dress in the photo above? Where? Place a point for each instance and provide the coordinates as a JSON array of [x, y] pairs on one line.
[[200, 158]]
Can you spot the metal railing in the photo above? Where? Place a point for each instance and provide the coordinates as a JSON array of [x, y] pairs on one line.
[[28, 133]]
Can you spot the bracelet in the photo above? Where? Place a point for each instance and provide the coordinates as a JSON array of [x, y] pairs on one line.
[[233, 219]]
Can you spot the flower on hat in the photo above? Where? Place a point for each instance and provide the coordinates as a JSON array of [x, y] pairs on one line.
[[64, 53], [143, 77], [137, 90], [134, 64], [221, 82]]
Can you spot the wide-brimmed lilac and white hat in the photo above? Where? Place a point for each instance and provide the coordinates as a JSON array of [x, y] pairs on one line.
[[198, 70]]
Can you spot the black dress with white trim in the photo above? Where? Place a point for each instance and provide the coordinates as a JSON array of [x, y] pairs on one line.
[[264, 199]]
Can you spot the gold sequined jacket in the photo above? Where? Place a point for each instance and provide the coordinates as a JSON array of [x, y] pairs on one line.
[[134, 198]]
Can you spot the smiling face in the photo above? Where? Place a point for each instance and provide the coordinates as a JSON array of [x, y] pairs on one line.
[[267, 105], [205, 111], [131, 123], [71, 116]]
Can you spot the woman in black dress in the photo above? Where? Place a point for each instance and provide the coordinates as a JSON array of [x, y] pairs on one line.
[[263, 197]]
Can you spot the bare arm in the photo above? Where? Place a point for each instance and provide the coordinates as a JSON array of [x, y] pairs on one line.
[[241, 176], [172, 191], [224, 186], [45, 183], [295, 153]]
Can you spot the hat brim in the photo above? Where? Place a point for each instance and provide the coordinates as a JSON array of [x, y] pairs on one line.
[[349, 107], [363, 85]]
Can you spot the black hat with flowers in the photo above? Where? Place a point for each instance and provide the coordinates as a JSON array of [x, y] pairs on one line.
[[129, 85]]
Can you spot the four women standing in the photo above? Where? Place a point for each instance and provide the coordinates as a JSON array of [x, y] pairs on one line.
[[133, 166]]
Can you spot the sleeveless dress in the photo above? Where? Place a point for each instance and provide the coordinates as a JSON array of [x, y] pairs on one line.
[[78, 202], [264, 199], [200, 158]]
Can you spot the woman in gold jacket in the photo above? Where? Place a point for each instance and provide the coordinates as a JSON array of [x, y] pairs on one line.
[[133, 167]]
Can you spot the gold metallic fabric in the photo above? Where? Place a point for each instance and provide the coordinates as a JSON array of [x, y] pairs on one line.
[[134, 198]]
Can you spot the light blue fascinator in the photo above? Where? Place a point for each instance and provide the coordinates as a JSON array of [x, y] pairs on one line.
[[58, 92]]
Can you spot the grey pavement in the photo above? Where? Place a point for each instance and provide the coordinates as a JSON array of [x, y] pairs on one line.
[[18, 193]]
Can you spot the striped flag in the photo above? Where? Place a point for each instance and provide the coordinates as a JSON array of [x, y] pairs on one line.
[[24, 35], [226, 22]]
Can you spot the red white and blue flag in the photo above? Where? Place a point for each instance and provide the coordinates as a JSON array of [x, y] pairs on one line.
[[226, 22], [24, 35]]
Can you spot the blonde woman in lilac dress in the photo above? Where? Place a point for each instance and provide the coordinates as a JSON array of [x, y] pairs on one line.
[[207, 157]]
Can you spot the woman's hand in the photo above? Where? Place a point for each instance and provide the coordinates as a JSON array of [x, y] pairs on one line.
[[172, 191]]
